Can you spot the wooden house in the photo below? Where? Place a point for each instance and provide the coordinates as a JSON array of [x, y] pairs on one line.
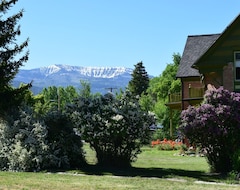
[[208, 61]]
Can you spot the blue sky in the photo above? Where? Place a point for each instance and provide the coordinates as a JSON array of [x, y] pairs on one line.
[[117, 33]]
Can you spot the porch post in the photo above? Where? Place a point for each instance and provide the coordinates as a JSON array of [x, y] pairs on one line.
[[171, 129]]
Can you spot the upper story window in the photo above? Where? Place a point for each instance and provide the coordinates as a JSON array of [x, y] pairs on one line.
[[237, 64]]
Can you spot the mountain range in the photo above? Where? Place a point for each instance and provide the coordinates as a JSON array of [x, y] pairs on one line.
[[101, 79]]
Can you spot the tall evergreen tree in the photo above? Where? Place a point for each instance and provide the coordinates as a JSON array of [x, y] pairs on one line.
[[140, 80], [9, 64]]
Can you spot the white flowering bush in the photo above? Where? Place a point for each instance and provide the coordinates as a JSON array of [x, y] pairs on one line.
[[115, 128], [27, 144], [23, 145]]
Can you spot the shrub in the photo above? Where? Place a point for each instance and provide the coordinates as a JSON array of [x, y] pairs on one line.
[[165, 146], [115, 128], [23, 144], [158, 134], [65, 146], [215, 126], [27, 144]]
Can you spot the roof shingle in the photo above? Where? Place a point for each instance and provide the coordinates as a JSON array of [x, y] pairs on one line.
[[195, 47]]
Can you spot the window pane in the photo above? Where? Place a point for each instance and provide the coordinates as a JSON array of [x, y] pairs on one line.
[[237, 73], [237, 63], [237, 56]]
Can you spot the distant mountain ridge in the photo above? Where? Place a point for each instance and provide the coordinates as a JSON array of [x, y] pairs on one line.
[[100, 78]]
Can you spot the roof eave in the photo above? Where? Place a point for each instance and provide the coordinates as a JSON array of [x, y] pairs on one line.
[[216, 42]]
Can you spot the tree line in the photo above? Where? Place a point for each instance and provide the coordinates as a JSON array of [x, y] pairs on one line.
[[45, 131]]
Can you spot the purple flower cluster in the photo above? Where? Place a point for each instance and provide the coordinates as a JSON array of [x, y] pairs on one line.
[[215, 126]]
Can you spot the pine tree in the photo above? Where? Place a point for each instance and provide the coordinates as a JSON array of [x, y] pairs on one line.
[[9, 65], [140, 80]]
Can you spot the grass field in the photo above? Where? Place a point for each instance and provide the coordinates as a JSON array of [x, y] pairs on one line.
[[153, 170]]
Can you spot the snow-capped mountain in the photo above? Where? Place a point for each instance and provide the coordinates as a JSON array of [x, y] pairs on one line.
[[98, 72], [100, 78]]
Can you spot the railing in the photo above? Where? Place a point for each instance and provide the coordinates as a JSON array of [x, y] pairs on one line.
[[175, 97], [194, 92]]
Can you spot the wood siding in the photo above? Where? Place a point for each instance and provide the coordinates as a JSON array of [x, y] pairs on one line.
[[217, 64]]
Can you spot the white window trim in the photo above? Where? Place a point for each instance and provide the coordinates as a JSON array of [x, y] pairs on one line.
[[235, 75]]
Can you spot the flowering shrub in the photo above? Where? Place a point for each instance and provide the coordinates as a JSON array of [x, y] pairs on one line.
[[215, 126], [28, 144], [167, 144], [23, 144], [115, 128]]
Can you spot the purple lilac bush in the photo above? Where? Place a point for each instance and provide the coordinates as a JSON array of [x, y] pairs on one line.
[[215, 126]]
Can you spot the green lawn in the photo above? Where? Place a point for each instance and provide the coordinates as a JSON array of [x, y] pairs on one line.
[[153, 170]]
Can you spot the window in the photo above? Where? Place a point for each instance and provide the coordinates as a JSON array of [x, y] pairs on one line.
[[237, 64]]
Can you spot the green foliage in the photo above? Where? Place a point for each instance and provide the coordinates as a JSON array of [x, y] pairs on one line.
[[165, 146], [159, 86], [175, 86], [65, 146], [10, 97], [146, 102], [140, 80], [157, 95], [28, 98], [29, 144], [158, 134], [54, 98], [85, 91], [236, 160], [114, 128], [23, 145]]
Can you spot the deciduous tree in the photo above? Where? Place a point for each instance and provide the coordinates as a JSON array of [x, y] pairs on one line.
[[157, 94], [54, 98]]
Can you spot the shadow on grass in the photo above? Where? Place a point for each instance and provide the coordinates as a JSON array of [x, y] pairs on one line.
[[151, 172]]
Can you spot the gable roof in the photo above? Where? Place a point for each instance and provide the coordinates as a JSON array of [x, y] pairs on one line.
[[224, 34], [195, 47]]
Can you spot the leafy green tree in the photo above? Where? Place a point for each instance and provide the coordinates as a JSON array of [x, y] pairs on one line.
[[28, 98], [71, 94], [115, 128], [54, 98], [157, 95], [140, 80], [160, 86], [85, 91], [39, 107], [47, 100], [12, 56], [146, 102]]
